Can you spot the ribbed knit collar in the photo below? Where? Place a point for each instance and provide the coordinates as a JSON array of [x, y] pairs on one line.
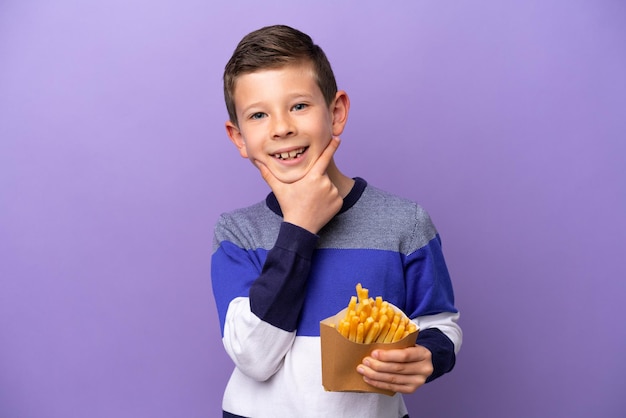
[[351, 198]]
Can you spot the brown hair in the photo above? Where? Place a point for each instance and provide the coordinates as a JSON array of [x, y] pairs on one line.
[[274, 47]]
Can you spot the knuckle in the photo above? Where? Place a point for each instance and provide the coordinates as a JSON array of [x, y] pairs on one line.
[[398, 368], [429, 369]]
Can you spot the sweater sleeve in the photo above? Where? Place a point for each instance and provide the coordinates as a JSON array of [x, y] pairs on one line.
[[276, 297], [441, 349], [432, 307], [259, 302], [430, 297]]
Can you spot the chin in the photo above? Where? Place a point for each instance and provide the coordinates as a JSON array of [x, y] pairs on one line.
[[288, 178], [288, 175]]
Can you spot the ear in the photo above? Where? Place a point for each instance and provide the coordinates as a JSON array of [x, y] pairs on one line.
[[339, 109], [236, 137]]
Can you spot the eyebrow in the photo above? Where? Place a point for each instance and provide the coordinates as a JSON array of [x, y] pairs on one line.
[[298, 96]]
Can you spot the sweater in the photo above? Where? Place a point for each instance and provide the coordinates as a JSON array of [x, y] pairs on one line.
[[273, 283]]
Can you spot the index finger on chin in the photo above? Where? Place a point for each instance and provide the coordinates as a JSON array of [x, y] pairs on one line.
[[327, 155], [265, 172]]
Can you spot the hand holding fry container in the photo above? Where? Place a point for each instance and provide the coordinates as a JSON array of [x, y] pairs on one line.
[[352, 334]]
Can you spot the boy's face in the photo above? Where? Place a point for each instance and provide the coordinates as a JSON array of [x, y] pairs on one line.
[[283, 119]]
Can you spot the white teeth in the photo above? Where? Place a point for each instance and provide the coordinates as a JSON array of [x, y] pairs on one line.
[[290, 154]]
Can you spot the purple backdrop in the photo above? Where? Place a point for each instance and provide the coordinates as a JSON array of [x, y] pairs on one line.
[[506, 120]]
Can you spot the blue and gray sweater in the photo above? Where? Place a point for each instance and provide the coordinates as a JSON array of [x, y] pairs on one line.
[[274, 282]]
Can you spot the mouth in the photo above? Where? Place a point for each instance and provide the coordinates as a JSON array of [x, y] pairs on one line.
[[290, 155]]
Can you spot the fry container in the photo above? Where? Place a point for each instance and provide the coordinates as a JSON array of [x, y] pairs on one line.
[[340, 357]]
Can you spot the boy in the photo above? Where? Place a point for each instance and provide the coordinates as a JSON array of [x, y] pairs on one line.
[[281, 266]]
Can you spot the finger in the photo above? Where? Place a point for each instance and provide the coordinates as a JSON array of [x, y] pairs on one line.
[[267, 175], [327, 155], [403, 355], [394, 385], [383, 367], [394, 382]]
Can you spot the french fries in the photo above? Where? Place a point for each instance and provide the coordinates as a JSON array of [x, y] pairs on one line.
[[370, 320]]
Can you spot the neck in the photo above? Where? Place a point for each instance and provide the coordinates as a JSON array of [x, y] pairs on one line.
[[342, 182]]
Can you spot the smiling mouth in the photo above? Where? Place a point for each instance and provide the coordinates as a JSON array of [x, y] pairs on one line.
[[291, 154]]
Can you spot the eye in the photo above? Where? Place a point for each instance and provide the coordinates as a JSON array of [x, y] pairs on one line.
[[257, 115], [299, 106]]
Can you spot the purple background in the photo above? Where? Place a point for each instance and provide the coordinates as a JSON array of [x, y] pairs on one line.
[[506, 120]]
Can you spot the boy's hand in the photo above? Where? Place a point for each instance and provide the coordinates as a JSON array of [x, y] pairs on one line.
[[402, 370], [311, 201]]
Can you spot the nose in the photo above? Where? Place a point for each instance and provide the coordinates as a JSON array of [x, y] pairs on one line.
[[283, 126]]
